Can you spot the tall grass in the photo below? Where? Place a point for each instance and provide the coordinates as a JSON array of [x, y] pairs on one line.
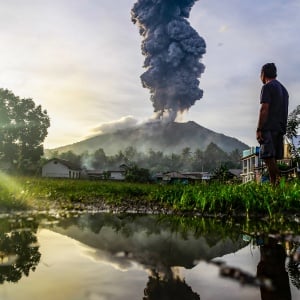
[[11, 193], [214, 198]]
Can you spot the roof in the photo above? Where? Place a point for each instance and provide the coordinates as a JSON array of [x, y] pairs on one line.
[[253, 151], [176, 175], [66, 163], [235, 172]]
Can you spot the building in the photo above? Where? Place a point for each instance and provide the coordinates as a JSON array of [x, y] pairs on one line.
[[60, 168], [99, 174], [182, 177], [253, 167], [251, 163]]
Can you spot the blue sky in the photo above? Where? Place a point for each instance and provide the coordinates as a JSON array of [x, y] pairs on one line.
[[81, 60]]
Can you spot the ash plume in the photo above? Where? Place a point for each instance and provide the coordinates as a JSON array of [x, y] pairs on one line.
[[172, 50]]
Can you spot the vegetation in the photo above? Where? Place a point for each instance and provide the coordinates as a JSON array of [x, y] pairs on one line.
[[23, 128], [293, 126], [156, 161], [206, 199], [135, 174]]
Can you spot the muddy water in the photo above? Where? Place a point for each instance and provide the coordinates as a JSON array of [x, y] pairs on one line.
[[66, 256]]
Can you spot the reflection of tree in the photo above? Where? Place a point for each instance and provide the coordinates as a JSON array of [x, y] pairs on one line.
[[168, 287], [294, 273], [22, 245], [293, 265]]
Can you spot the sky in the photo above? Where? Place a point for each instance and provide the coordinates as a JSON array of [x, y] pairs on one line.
[[81, 60]]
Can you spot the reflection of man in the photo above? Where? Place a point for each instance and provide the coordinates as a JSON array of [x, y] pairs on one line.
[[272, 267], [272, 120]]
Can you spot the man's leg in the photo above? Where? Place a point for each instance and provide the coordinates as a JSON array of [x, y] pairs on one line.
[[273, 170]]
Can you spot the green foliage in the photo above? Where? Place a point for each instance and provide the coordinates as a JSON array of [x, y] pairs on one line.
[[23, 128], [221, 174], [18, 244], [293, 122], [157, 161], [12, 195], [293, 125], [135, 174], [71, 157], [250, 199]]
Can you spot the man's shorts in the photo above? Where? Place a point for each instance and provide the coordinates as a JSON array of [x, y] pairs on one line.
[[272, 145]]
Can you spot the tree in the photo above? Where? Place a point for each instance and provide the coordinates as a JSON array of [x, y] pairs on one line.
[[222, 174], [135, 174], [71, 157], [197, 162], [23, 128], [214, 157], [186, 158], [99, 159], [293, 125], [293, 122], [130, 154]]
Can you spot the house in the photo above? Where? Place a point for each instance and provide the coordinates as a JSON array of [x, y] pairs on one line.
[[99, 174], [182, 177], [253, 166], [235, 173], [60, 168], [117, 174], [251, 163]]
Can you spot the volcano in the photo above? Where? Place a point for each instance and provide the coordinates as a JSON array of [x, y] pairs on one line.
[[166, 137]]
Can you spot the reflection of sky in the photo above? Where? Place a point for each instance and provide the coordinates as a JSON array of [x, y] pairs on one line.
[[65, 272], [205, 278]]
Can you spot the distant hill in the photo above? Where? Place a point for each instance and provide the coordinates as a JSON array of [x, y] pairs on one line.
[[168, 138]]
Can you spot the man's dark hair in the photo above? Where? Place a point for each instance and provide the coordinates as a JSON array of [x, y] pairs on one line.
[[269, 70]]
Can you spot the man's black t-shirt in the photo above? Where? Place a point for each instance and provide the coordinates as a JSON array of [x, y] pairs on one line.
[[277, 96]]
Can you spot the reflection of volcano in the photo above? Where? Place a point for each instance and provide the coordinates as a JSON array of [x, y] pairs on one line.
[[148, 240]]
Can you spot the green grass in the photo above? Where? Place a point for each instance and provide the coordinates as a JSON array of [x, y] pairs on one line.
[[207, 199]]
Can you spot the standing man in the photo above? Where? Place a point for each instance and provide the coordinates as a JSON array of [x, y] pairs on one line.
[[272, 121]]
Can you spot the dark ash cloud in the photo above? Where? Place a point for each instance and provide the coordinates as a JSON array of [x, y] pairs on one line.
[[172, 50]]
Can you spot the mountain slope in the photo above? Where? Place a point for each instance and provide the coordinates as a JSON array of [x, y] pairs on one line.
[[169, 138]]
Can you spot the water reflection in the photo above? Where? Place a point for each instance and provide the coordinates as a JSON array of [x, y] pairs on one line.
[[272, 267], [278, 265], [168, 286], [19, 251], [156, 242], [163, 246]]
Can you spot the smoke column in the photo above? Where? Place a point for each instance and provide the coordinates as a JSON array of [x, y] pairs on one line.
[[172, 50]]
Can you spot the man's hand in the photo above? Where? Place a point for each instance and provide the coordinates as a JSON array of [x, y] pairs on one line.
[[259, 137]]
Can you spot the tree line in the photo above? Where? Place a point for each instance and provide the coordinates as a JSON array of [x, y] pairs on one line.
[[156, 161]]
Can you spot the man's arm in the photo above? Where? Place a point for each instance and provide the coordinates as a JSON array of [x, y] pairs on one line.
[[263, 116]]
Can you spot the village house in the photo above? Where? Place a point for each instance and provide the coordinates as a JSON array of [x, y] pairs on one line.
[[182, 177], [60, 168], [253, 167], [100, 174]]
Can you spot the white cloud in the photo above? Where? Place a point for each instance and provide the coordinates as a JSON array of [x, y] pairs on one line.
[[106, 127]]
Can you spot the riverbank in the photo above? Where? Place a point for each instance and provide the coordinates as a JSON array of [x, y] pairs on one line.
[[18, 193]]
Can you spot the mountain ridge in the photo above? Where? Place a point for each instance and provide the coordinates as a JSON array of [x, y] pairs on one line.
[[166, 137]]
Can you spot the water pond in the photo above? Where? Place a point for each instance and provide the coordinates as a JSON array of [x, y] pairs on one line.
[[99, 256]]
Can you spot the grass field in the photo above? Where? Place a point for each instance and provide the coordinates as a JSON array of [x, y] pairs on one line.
[[215, 198]]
